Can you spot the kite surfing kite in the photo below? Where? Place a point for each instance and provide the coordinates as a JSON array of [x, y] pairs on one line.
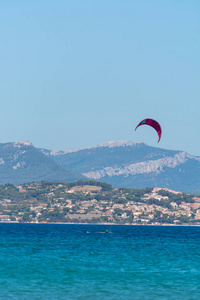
[[153, 124]]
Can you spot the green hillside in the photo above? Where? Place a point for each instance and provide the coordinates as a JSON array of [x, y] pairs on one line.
[[96, 202]]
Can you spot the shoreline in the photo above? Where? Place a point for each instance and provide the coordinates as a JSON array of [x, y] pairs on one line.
[[108, 224]]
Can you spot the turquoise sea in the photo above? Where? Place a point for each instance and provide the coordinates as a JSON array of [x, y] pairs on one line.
[[50, 261]]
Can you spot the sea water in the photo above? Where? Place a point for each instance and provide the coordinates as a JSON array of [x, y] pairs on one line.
[[53, 261]]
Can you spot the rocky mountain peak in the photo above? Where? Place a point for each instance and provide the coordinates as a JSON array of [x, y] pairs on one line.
[[20, 144]]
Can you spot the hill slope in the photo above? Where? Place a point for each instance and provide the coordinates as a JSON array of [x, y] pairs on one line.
[[134, 165], [21, 162]]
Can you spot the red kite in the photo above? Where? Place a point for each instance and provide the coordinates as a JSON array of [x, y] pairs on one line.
[[153, 124]]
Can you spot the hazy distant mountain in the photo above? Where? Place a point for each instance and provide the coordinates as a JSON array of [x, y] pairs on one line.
[[21, 162], [136, 165]]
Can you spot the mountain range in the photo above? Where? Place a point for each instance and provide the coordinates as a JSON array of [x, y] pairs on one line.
[[124, 164], [21, 162], [133, 165]]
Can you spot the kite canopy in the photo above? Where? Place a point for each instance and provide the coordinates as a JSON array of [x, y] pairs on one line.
[[153, 124]]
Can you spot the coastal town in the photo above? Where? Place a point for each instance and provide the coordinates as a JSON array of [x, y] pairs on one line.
[[96, 203]]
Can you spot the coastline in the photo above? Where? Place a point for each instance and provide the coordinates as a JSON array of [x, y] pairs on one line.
[[108, 224]]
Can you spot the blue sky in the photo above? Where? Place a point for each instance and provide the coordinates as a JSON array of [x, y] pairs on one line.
[[79, 73]]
